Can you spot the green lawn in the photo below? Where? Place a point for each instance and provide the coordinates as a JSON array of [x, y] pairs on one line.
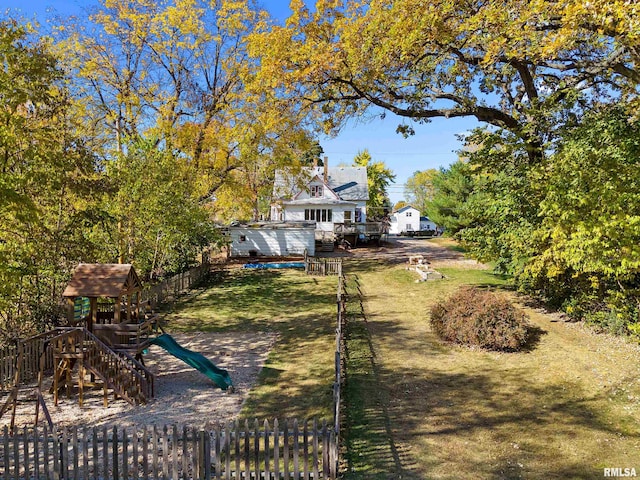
[[417, 408], [298, 375]]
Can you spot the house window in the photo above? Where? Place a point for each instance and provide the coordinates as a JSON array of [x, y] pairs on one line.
[[319, 215], [316, 191], [408, 214], [347, 216]]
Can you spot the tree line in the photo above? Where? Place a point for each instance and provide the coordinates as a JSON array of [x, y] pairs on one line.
[[547, 187], [125, 130], [125, 133]]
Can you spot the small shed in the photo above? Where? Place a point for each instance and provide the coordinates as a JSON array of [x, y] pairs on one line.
[[272, 240], [118, 283]]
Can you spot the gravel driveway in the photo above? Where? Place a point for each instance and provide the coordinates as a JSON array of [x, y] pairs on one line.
[[397, 250]]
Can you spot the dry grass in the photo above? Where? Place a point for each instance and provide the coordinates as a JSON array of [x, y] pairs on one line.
[[565, 409]]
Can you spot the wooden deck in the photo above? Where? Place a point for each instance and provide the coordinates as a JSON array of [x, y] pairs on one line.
[[355, 233]]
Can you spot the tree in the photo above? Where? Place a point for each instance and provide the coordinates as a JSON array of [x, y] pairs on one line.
[[522, 66], [567, 229], [178, 72], [453, 187], [162, 223], [419, 189], [173, 71], [399, 205], [268, 144], [378, 179], [47, 183], [313, 155], [590, 228]]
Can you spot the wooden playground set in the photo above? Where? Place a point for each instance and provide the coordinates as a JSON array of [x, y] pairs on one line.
[[108, 331]]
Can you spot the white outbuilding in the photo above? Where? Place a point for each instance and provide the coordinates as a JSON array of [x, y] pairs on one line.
[[272, 240]]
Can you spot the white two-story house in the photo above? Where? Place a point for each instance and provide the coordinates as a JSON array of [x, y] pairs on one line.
[[324, 195], [406, 219]]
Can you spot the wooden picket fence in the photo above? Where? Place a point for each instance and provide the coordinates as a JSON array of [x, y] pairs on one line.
[[288, 449], [282, 450], [172, 287], [323, 266], [27, 352]]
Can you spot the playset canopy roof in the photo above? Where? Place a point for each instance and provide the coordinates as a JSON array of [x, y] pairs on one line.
[[109, 280]]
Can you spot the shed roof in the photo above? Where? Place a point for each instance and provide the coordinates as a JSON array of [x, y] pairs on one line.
[[102, 280]]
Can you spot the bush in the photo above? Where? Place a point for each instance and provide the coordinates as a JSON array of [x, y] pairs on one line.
[[475, 317], [611, 321]]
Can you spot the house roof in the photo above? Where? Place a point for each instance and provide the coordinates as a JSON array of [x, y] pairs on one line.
[[405, 208], [349, 183], [317, 201], [425, 219], [102, 280], [318, 179]]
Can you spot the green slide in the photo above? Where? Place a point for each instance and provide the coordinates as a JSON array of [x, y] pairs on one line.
[[194, 359]]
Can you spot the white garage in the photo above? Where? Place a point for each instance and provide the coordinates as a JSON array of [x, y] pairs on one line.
[[272, 240]]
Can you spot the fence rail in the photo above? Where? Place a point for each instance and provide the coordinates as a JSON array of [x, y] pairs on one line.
[[288, 449]]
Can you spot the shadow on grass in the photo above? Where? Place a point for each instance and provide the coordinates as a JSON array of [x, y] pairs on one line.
[[482, 423], [534, 335], [251, 300], [300, 310]]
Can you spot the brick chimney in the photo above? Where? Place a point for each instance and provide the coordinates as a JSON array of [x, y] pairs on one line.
[[326, 169]]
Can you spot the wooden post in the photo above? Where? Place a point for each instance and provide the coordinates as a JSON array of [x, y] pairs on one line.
[[315, 449], [227, 451], [117, 307], [174, 452], [276, 449], [296, 449], [185, 450], [81, 374], [236, 435], [247, 459], [266, 450], [145, 452], [93, 314], [129, 296], [70, 309], [256, 447], [114, 445]]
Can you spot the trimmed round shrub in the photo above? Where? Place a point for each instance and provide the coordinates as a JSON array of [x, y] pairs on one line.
[[481, 318]]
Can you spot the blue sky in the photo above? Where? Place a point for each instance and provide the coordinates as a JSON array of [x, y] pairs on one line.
[[433, 145]]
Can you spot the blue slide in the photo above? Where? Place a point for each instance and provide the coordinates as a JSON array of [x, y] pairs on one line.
[[194, 359]]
